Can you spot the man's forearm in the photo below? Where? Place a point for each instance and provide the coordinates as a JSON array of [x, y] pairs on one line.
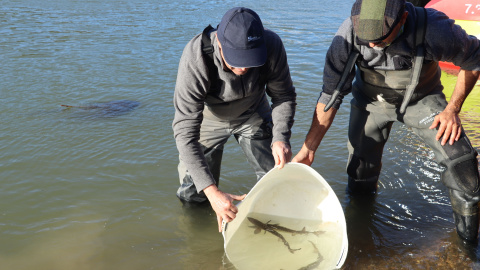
[[465, 82], [321, 122]]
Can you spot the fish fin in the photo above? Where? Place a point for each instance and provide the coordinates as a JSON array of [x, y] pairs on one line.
[[317, 233], [293, 250], [257, 230], [303, 231]]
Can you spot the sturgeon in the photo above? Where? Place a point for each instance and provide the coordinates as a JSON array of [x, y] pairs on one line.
[[259, 226], [317, 262], [108, 109], [284, 229]]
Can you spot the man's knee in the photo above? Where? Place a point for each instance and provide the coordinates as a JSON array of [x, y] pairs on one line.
[[461, 168], [362, 176], [359, 168], [187, 192]]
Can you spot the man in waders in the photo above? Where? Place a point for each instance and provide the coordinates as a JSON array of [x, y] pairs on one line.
[[392, 50], [223, 78]]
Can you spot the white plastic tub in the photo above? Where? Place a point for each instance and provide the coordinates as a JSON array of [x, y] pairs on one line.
[[290, 219]]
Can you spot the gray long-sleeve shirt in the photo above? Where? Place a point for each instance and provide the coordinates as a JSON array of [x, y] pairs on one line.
[[232, 96], [444, 41]]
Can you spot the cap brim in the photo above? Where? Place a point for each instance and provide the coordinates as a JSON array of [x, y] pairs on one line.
[[245, 58], [362, 42]]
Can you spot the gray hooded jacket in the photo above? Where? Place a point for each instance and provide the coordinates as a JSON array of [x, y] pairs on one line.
[[228, 98]]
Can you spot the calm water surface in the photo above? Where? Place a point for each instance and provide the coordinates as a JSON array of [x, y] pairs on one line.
[[92, 189]]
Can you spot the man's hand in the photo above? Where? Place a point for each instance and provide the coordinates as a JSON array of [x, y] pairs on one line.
[[222, 204], [449, 126], [305, 156], [282, 153]]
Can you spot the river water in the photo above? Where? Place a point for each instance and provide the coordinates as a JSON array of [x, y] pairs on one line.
[[95, 188]]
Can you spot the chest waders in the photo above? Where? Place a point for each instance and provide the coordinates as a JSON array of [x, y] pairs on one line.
[[401, 88], [393, 86]]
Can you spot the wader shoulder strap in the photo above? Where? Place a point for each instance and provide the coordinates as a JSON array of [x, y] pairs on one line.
[[419, 56], [208, 49], [352, 58]]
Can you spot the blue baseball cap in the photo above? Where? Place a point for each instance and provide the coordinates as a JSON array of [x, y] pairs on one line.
[[241, 35]]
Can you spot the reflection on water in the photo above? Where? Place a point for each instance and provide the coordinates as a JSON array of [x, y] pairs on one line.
[[81, 191], [198, 240]]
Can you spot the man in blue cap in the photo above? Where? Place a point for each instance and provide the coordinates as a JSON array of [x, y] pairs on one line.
[[392, 50], [228, 96]]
